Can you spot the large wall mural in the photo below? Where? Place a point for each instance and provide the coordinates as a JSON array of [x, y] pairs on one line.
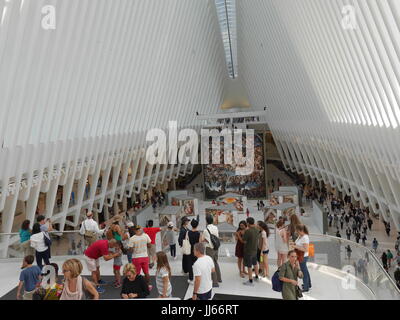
[[222, 178]]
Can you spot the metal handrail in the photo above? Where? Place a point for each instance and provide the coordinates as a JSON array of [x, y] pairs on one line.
[[372, 254]]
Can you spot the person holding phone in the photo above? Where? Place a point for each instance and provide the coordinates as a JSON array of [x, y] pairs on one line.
[[288, 274], [45, 224]]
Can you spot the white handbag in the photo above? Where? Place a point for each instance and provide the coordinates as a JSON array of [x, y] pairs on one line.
[[186, 247]]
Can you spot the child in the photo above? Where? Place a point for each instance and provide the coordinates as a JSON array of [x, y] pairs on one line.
[[170, 239], [117, 266], [163, 275], [29, 278], [129, 233]]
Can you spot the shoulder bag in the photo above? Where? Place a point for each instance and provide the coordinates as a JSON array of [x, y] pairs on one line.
[[214, 240], [47, 240], [186, 247], [89, 235]]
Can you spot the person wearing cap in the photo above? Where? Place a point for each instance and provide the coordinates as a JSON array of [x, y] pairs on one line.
[[170, 239], [90, 229], [182, 235], [140, 258]]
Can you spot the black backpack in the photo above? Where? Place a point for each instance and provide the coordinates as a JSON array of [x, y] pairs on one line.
[[214, 240]]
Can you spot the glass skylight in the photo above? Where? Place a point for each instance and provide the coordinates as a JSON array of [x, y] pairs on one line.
[[226, 10]]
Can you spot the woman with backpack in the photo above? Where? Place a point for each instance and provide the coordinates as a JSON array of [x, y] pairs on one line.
[[40, 244], [289, 273]]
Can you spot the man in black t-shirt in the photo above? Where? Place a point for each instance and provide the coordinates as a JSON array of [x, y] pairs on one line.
[[250, 239]]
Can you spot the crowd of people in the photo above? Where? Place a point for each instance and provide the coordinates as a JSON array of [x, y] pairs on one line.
[[113, 243], [356, 223], [122, 238], [291, 244], [199, 255]]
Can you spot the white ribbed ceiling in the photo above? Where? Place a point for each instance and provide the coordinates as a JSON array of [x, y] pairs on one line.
[[108, 67], [332, 92]]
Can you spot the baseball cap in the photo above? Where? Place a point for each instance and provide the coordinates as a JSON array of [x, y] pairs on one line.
[[130, 224], [137, 227], [170, 224]]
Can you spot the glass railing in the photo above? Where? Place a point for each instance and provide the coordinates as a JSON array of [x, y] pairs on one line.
[[64, 243], [361, 267]]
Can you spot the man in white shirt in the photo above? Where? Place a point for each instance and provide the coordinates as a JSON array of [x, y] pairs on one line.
[[90, 229], [140, 259], [212, 229], [203, 268]]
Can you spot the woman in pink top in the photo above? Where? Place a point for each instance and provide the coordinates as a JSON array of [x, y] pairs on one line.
[[74, 285]]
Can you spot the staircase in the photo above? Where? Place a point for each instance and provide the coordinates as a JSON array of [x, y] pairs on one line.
[[273, 172]]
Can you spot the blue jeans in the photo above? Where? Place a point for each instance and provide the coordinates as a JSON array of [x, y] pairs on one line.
[[306, 274], [172, 249], [129, 255], [204, 296]]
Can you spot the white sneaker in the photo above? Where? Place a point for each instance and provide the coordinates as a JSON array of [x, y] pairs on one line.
[[190, 281]]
